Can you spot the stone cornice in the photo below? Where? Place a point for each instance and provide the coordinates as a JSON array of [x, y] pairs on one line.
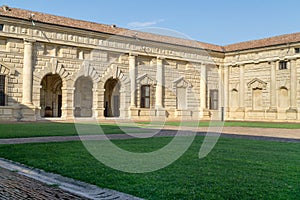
[[274, 59]]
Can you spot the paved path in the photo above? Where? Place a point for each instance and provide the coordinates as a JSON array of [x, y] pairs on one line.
[[281, 135], [18, 182], [27, 183], [14, 186]]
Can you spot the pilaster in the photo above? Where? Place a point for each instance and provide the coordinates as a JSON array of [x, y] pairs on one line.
[[132, 75], [27, 72], [273, 103], [242, 89], [159, 88]]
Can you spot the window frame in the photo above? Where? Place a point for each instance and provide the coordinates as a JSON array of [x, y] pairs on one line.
[[2, 90], [214, 102], [283, 65], [181, 105], [144, 96]]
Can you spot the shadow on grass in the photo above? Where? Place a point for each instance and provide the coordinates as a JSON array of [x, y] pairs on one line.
[[24, 130]]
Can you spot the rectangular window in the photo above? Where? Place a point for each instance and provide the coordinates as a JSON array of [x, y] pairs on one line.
[[2, 90], [145, 96], [214, 99], [181, 98], [282, 65], [1, 27], [297, 50], [257, 99]]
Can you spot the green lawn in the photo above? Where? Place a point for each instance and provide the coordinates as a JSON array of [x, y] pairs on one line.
[[19, 130], [235, 169], [232, 124]]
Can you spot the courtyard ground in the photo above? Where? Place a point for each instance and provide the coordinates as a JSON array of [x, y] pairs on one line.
[[246, 163]]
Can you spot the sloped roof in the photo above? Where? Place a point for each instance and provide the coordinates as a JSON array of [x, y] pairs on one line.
[[272, 41], [92, 26]]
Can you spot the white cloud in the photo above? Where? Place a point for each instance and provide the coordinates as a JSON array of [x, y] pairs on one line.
[[144, 24]]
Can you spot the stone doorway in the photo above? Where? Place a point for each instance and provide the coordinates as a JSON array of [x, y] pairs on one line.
[[112, 98], [51, 96], [83, 97]]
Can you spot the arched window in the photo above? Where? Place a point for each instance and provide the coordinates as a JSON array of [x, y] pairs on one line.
[[234, 101], [283, 100]]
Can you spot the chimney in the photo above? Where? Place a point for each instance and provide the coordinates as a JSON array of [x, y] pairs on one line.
[[5, 8]]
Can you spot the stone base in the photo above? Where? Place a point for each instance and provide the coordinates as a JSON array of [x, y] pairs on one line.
[[9, 113], [292, 114], [27, 113], [160, 112], [271, 114]]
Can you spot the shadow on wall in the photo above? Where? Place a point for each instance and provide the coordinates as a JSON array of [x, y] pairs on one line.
[[18, 112]]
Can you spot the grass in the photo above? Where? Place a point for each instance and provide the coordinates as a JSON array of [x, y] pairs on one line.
[[235, 169], [233, 124], [23, 130]]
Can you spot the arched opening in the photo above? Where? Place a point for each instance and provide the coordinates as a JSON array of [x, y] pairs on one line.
[[83, 97], [283, 100], [234, 101], [51, 96], [112, 98]]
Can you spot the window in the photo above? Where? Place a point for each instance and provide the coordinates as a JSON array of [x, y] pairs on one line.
[[214, 99], [297, 50], [234, 101], [181, 98], [282, 65], [283, 100], [2, 90], [257, 99], [145, 96], [1, 27]]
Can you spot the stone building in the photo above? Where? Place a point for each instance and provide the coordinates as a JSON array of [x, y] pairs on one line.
[[57, 67]]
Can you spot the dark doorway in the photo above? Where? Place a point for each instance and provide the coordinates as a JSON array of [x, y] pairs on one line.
[[112, 98], [51, 96], [59, 105]]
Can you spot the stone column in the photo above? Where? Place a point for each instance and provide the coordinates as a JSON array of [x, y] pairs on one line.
[[221, 87], [293, 96], [68, 91], [159, 86], [226, 88], [242, 88], [159, 109], [203, 87], [273, 106], [97, 108], [27, 72], [132, 75]]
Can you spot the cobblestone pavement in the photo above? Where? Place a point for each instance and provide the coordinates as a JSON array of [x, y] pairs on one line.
[[14, 186], [18, 182]]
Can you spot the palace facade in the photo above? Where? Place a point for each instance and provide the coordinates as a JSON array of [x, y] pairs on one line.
[[57, 67]]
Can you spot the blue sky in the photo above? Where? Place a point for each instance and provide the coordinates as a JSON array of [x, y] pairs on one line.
[[219, 22]]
